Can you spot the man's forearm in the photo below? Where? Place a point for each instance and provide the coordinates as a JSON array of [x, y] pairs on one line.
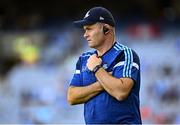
[[80, 100], [78, 95], [118, 88]]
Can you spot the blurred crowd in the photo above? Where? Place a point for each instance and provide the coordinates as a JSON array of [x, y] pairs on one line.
[[37, 66], [33, 75]]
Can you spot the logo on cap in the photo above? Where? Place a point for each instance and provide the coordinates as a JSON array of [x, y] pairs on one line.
[[87, 14], [101, 18]]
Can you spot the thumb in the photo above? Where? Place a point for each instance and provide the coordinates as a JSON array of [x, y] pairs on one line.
[[95, 55]]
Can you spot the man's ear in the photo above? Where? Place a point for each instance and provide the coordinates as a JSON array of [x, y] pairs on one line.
[[105, 29]]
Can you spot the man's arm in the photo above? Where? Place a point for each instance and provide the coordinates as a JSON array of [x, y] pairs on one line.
[[78, 95], [117, 87]]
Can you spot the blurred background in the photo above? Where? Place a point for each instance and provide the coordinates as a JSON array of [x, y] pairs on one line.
[[39, 48]]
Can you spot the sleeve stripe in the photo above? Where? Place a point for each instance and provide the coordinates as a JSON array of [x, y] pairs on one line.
[[136, 65], [128, 62], [131, 64], [116, 48], [122, 64], [128, 59], [119, 46], [77, 72]]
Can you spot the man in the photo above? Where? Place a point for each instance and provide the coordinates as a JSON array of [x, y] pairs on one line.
[[107, 80]]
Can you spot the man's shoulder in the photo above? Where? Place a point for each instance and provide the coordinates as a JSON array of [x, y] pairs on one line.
[[126, 48], [87, 54], [121, 46]]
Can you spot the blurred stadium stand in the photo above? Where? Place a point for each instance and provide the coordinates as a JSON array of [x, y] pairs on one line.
[[39, 49]]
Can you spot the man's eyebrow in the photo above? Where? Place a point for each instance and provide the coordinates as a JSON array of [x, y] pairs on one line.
[[86, 28]]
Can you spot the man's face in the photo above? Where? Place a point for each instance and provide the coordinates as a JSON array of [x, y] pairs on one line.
[[94, 35]]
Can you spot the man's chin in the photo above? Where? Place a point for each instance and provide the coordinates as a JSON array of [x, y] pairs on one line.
[[92, 46]]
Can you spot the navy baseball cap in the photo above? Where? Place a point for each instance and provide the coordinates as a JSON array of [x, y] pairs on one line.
[[94, 15]]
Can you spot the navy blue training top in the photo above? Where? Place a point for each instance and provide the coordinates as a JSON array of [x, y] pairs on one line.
[[121, 61]]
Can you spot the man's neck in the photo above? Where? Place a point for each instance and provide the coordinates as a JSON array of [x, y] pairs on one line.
[[105, 47]]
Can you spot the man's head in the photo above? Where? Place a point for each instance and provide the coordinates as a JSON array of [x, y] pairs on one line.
[[98, 24]]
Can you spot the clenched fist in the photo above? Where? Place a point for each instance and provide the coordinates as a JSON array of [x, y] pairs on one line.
[[93, 61]]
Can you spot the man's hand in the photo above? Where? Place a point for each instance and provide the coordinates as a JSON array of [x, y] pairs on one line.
[[93, 61]]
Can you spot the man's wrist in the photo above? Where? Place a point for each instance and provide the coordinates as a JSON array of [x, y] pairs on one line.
[[96, 68]]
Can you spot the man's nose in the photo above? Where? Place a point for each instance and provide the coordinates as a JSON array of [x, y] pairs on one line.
[[85, 34]]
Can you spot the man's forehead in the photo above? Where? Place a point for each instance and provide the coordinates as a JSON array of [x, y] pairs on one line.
[[92, 25]]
